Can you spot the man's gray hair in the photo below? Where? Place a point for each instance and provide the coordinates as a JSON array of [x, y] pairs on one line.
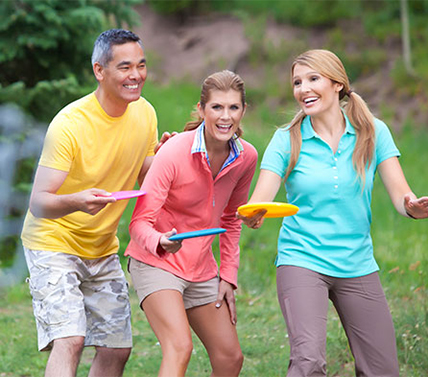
[[102, 52]]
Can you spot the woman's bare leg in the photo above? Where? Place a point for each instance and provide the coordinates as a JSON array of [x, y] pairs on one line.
[[167, 317], [213, 326]]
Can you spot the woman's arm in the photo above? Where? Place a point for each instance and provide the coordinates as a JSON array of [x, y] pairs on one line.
[[157, 184], [267, 187], [229, 241], [404, 200]]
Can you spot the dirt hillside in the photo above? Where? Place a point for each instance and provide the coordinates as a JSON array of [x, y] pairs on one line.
[[193, 49]]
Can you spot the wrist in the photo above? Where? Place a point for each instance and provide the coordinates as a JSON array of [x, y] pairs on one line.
[[411, 216]]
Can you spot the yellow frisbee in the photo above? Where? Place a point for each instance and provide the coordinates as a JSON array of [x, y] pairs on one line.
[[274, 209]]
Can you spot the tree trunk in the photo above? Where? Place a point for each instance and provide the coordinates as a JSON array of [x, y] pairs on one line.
[[405, 37]]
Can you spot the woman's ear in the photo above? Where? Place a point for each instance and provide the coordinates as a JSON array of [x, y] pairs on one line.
[[200, 110], [339, 87]]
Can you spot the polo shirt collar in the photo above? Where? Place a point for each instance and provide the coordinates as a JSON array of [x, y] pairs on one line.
[[199, 142], [199, 146], [308, 132], [349, 128]]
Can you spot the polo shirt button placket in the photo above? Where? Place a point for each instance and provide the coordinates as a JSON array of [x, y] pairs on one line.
[[336, 186]]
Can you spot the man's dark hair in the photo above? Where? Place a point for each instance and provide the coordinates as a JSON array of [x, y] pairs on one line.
[[102, 52]]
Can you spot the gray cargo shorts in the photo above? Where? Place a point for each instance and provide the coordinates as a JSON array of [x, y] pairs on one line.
[[73, 296]]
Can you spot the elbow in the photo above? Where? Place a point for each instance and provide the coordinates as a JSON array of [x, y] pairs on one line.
[[136, 229], [36, 210], [133, 228]]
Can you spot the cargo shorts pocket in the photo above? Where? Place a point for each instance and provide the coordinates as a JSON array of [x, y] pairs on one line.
[[51, 297]]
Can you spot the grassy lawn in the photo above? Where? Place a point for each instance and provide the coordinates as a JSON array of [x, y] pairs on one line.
[[400, 249]]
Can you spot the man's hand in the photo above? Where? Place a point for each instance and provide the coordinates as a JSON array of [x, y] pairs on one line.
[[164, 138], [93, 200], [46, 203]]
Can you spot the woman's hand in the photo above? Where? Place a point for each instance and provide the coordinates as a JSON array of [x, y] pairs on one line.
[[416, 208], [266, 189], [170, 246], [255, 221], [226, 293]]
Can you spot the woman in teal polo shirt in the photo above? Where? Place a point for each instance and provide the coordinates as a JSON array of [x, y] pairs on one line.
[[328, 156]]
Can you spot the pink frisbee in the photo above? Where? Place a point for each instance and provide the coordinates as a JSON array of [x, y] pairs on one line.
[[119, 195]]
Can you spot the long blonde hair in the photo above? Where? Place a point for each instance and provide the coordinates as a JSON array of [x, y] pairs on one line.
[[329, 65], [223, 81]]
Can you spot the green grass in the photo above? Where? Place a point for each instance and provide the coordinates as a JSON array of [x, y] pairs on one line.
[[400, 249]]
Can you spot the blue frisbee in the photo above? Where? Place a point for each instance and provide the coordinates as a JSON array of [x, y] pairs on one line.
[[196, 233]]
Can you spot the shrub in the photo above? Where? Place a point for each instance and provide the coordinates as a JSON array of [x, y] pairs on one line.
[[46, 46]]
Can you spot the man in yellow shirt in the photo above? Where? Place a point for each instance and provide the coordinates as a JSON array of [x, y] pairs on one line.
[[101, 143]]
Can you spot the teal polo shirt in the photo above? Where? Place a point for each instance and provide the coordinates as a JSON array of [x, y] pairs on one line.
[[331, 232]]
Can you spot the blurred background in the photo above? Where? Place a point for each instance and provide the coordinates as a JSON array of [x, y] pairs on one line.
[[45, 49]]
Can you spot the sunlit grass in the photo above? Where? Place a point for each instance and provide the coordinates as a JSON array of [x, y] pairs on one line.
[[400, 249]]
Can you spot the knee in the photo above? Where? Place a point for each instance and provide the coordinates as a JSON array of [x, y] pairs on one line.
[[237, 359], [307, 365], [71, 345], [122, 354], [231, 361], [179, 349], [119, 355], [307, 358]]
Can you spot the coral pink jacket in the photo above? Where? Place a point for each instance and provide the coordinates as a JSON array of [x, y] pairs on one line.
[[182, 194]]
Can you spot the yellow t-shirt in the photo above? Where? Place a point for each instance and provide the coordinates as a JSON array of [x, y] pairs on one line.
[[97, 151]]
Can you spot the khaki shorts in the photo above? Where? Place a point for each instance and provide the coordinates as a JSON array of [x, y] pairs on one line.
[[148, 279], [79, 297]]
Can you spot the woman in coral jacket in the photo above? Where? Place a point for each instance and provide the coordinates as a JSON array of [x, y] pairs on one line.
[[198, 180]]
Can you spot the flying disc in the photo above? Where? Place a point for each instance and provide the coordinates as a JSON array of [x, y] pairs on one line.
[[274, 209], [119, 195], [196, 233]]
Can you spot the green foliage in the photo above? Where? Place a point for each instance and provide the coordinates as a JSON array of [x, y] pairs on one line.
[[380, 23], [7, 250], [47, 97], [46, 46], [173, 7], [20, 144], [43, 40], [305, 13], [40, 72], [173, 110], [400, 249], [404, 83], [382, 19]]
